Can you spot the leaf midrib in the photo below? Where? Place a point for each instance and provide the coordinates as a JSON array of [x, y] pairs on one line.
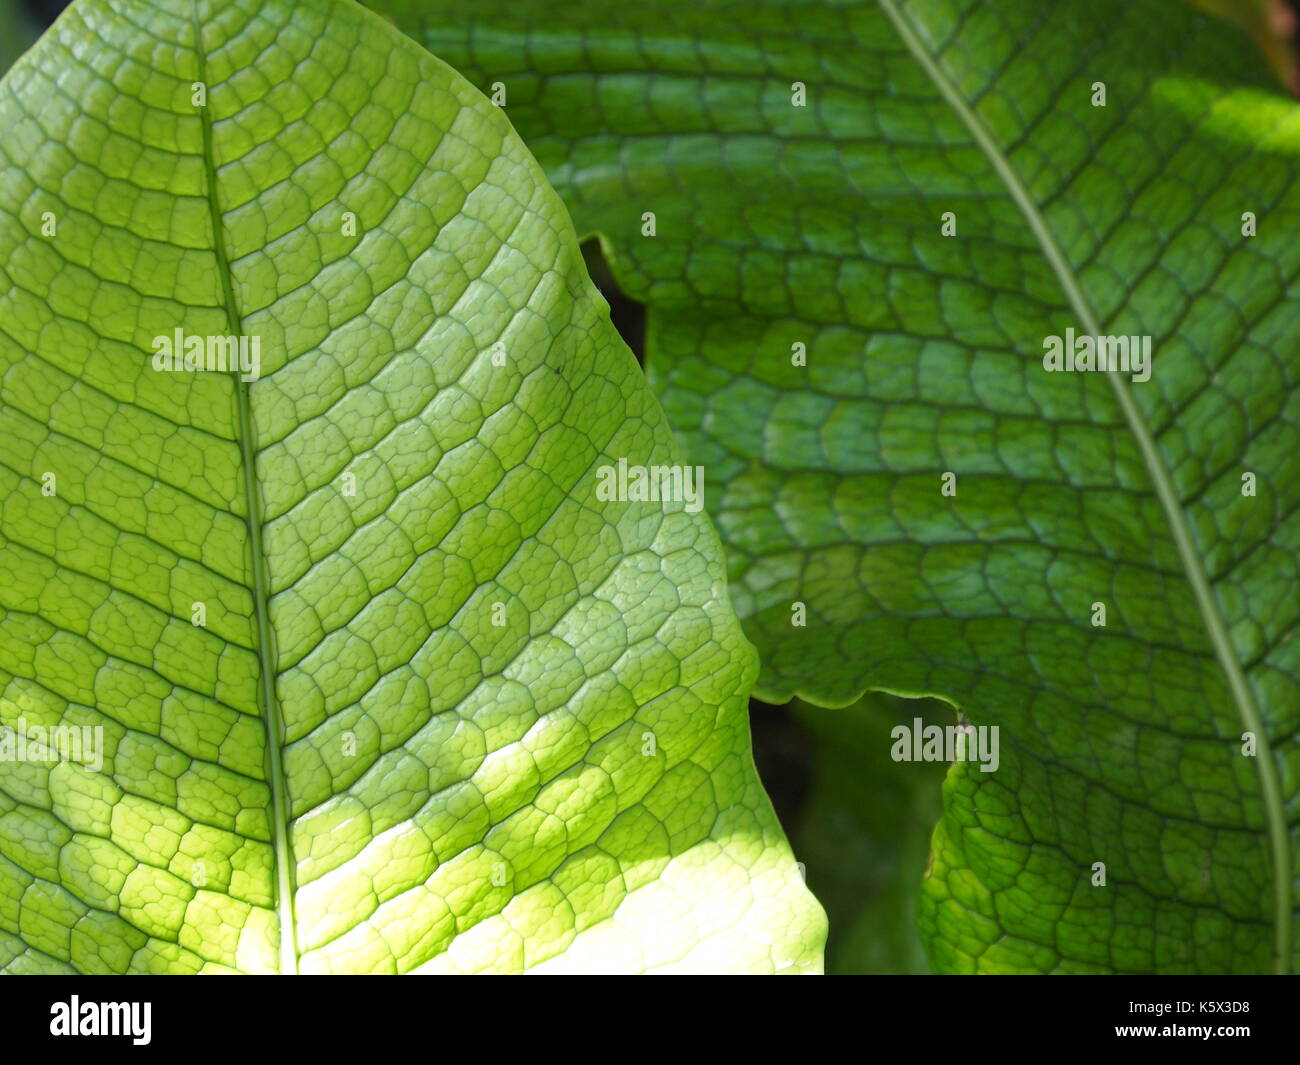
[[1216, 628], [272, 719]]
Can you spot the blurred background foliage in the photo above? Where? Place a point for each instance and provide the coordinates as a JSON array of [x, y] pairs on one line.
[[1274, 25], [859, 822]]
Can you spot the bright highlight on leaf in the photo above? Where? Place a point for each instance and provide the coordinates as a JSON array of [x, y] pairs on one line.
[[304, 391]]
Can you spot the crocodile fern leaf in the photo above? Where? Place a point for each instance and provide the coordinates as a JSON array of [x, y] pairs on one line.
[[868, 219], [383, 684]]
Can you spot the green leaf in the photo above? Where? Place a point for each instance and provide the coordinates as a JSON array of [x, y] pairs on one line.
[[778, 225], [446, 710]]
